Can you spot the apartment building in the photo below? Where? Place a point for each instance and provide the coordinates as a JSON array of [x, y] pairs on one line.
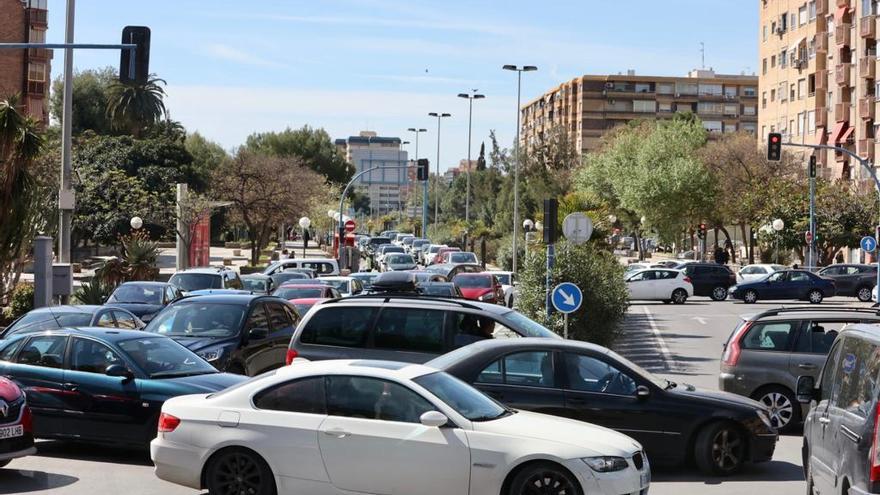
[[818, 66], [589, 106], [386, 187], [25, 72]]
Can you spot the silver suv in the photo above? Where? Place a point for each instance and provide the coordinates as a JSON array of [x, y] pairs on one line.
[[211, 277], [767, 352]]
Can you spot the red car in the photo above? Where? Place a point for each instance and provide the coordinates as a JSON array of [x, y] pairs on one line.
[[16, 432], [305, 304], [483, 287], [440, 258]]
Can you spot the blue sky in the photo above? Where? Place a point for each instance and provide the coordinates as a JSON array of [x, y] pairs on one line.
[[235, 67]]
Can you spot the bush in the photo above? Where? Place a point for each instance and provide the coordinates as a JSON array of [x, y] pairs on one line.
[[504, 252], [597, 273], [92, 292], [21, 302]]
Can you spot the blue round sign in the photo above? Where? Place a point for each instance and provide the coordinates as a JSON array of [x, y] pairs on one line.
[[567, 297], [869, 244]]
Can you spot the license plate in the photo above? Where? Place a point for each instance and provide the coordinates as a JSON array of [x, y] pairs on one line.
[[11, 431]]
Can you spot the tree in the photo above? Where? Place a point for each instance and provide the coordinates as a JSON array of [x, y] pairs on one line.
[[265, 191], [103, 213], [206, 155], [91, 92], [481, 161], [194, 209], [134, 107], [311, 147]]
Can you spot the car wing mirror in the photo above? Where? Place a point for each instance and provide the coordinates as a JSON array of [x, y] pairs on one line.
[[806, 389], [643, 392], [119, 371], [433, 419]]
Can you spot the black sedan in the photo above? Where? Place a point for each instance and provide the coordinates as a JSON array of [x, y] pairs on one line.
[[239, 333], [786, 284], [55, 317], [144, 299], [582, 381], [103, 385]]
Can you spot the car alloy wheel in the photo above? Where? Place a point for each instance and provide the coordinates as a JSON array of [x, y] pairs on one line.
[[864, 294], [720, 449], [679, 296], [815, 296], [781, 408], [719, 293], [543, 479], [239, 472], [750, 297]]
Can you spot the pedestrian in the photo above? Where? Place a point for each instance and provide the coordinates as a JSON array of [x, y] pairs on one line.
[[719, 255], [284, 254], [725, 257], [795, 266], [838, 258]]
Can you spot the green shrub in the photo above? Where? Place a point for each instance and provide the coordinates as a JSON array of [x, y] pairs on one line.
[[92, 292], [504, 253], [22, 300], [599, 276]]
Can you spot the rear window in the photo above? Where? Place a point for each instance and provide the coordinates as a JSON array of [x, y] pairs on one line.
[[857, 376], [298, 293], [344, 327], [409, 329], [197, 281], [771, 336], [473, 281]]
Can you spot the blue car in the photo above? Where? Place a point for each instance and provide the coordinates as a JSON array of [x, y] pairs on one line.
[[787, 284]]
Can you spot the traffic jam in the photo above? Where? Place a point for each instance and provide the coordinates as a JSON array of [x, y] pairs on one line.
[[419, 376]]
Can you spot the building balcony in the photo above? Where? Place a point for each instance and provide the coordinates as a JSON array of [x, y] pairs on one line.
[[866, 148], [822, 80], [867, 67], [842, 77], [36, 88], [866, 108], [821, 44], [868, 27], [821, 117], [841, 112], [38, 17], [842, 34], [39, 53]]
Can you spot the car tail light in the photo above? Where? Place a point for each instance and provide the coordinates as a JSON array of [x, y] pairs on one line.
[[875, 447], [733, 349], [687, 280], [291, 355], [27, 420], [168, 423]]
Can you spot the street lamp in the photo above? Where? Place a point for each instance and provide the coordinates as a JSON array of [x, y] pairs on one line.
[[418, 131], [436, 199], [527, 226], [778, 225], [467, 199], [399, 182], [136, 223], [304, 224], [519, 71]]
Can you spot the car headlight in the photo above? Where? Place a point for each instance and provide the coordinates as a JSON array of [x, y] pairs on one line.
[[211, 356], [487, 297], [606, 464], [765, 419]]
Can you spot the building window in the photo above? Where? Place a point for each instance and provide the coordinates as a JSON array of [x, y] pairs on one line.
[[665, 107], [643, 106], [710, 89], [793, 94], [793, 23], [811, 9], [712, 108], [764, 99], [802, 15], [773, 27], [811, 48], [811, 122], [730, 92], [801, 89], [772, 95], [800, 123], [791, 124], [750, 110], [750, 91], [749, 127], [643, 88], [764, 67], [728, 128], [782, 59], [37, 72], [684, 107], [811, 84], [665, 88], [713, 126], [783, 91], [731, 110], [764, 31], [763, 130], [37, 36], [773, 61], [686, 88]]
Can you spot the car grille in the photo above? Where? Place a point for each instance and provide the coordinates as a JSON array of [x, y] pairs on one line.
[[638, 461], [13, 412]]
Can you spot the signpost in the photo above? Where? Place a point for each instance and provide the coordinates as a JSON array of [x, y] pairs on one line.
[[808, 237], [868, 244], [577, 228], [567, 298]]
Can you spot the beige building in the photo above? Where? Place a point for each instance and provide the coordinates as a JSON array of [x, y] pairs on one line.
[[589, 106], [818, 65], [25, 72]]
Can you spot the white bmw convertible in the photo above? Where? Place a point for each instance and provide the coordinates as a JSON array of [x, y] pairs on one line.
[[377, 427]]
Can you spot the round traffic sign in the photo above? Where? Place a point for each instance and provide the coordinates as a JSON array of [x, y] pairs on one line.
[[577, 228], [349, 226], [868, 244], [567, 297], [808, 236]]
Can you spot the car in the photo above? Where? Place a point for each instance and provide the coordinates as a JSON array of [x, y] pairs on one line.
[[449, 271], [439, 257], [280, 278], [399, 238], [375, 242], [383, 427], [440, 289], [429, 254], [766, 353], [386, 250], [659, 284], [751, 273], [852, 280], [103, 385], [710, 279], [208, 292], [403, 327], [54, 317], [300, 291], [483, 287], [841, 437], [421, 276], [308, 272], [366, 278], [509, 285], [395, 262], [241, 334], [257, 283], [458, 258], [16, 423], [672, 264], [416, 247], [674, 422], [321, 266], [143, 299], [304, 304], [686, 255], [346, 286], [212, 277], [307, 281], [786, 284]]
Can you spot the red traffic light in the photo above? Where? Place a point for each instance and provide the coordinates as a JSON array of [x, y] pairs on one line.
[[774, 139]]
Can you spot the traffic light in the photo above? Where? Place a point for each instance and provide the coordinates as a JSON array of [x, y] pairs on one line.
[[551, 214], [813, 166], [139, 71], [422, 172], [701, 231], [774, 147]]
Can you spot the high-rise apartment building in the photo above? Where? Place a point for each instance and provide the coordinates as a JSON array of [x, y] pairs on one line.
[[818, 67], [588, 106], [25, 72], [386, 187]]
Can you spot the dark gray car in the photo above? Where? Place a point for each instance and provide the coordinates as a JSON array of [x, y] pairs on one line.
[[766, 353], [852, 280]]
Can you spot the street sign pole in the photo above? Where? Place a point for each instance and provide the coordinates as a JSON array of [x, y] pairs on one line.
[[551, 258], [811, 258], [566, 298], [565, 319]]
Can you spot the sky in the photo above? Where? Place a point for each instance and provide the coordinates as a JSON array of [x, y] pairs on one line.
[[237, 67]]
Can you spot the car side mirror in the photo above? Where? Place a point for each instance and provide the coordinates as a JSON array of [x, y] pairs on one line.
[[433, 419], [119, 371], [806, 389], [643, 392], [258, 333]]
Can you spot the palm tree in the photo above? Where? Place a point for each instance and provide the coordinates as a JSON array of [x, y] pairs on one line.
[[133, 107]]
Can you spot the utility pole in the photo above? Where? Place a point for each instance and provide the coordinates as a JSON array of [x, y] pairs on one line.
[[467, 199], [811, 253], [436, 198], [66, 200], [418, 131]]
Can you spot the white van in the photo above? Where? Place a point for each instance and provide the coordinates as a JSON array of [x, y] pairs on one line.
[[322, 266]]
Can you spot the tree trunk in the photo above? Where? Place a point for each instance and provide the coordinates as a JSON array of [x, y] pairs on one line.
[[730, 243], [747, 237], [639, 246]]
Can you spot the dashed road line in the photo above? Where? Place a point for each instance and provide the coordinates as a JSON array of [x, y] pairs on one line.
[[660, 342]]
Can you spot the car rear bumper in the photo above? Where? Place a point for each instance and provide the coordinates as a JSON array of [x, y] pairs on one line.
[[177, 463]]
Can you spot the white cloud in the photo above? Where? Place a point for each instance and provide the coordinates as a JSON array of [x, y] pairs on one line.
[[232, 54]]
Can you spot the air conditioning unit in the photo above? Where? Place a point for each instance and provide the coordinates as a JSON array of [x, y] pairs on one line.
[[780, 31]]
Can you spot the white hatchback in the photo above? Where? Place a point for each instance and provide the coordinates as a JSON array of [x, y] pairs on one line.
[[750, 273], [659, 284], [334, 427]]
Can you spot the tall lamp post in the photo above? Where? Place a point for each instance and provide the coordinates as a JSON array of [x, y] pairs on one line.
[[527, 225], [519, 71], [436, 199], [400, 182], [418, 131], [304, 224], [467, 199], [778, 225]]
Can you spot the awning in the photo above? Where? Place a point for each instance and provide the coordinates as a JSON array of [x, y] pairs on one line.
[[839, 129], [846, 135], [839, 15], [821, 135], [796, 45]]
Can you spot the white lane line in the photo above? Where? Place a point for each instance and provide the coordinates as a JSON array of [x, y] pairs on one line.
[[699, 319], [660, 342]]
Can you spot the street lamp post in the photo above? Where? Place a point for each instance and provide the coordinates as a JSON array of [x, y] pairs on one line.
[[467, 199], [399, 182], [304, 224], [436, 199], [136, 223], [778, 225], [519, 71], [527, 226], [418, 131]]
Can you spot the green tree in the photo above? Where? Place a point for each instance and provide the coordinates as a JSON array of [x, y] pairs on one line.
[[206, 156], [135, 107], [312, 147], [91, 92], [103, 213]]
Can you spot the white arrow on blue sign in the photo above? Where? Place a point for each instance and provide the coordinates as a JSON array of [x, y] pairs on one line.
[[567, 297], [869, 244]]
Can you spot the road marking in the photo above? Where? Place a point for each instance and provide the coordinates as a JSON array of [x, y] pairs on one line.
[[660, 342], [699, 319]]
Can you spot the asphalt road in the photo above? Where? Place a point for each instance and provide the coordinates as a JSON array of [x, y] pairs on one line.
[[682, 343]]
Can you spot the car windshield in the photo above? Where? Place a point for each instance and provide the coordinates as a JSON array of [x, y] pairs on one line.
[[472, 281], [462, 258], [392, 249], [255, 284], [138, 294], [164, 358], [529, 327], [503, 278], [298, 292], [445, 290], [367, 279], [400, 259], [199, 319], [464, 399], [340, 285], [196, 281]]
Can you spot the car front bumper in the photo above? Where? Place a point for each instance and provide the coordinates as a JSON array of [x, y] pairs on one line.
[[177, 463], [763, 446], [628, 481]]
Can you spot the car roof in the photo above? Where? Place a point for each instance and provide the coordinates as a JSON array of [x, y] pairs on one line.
[[366, 367], [304, 286], [145, 282], [505, 345], [108, 334], [863, 331], [417, 301], [223, 298], [71, 308], [213, 270], [817, 313], [336, 277], [255, 276]]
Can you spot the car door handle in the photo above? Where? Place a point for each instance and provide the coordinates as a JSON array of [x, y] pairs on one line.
[[336, 432], [851, 435], [824, 420], [807, 366], [73, 387]]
